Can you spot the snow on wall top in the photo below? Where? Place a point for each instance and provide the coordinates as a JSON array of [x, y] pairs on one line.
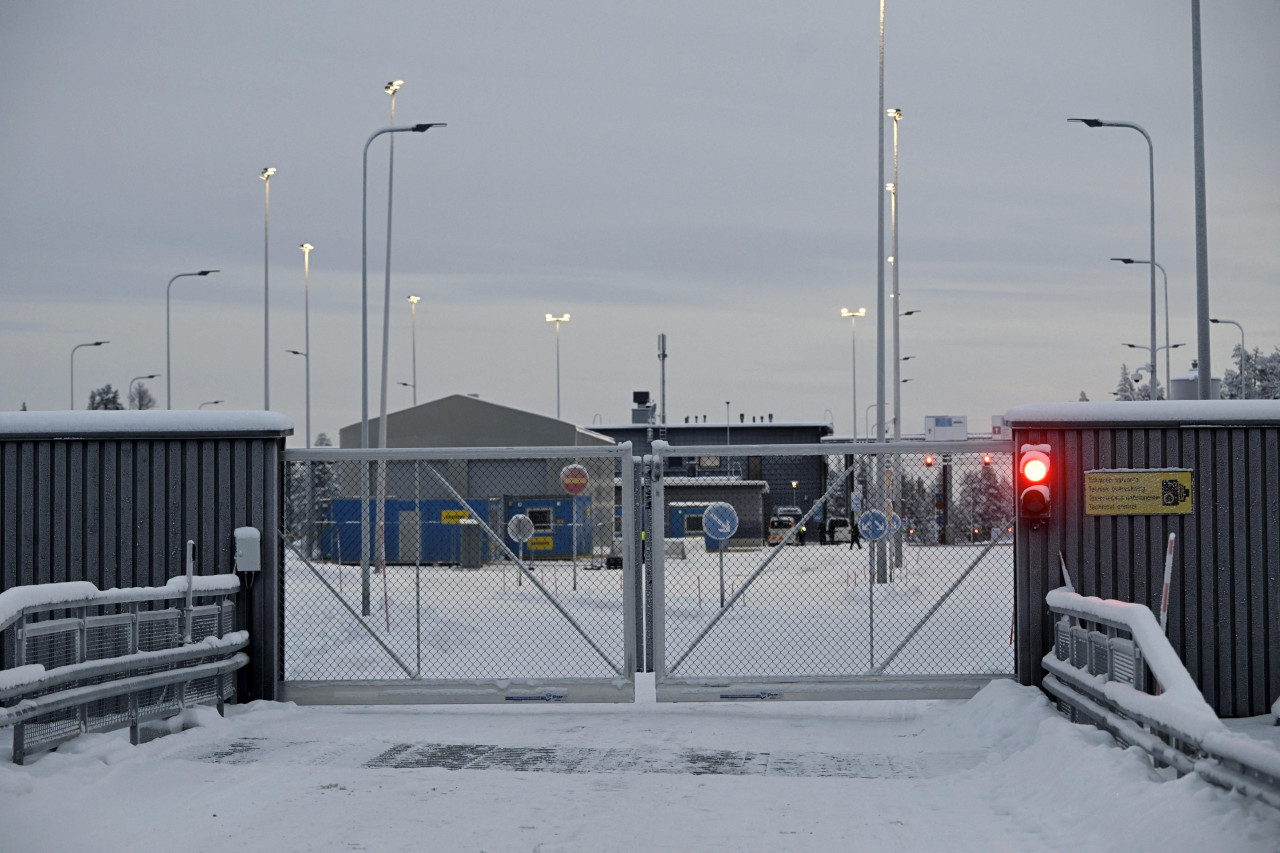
[[1164, 412], [75, 424]]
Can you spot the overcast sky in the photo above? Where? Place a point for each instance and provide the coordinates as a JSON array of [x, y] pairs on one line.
[[706, 170]]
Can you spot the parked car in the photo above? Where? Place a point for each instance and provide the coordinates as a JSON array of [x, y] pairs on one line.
[[837, 530], [779, 527]]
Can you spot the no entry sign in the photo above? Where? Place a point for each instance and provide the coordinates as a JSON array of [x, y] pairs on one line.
[[574, 479]]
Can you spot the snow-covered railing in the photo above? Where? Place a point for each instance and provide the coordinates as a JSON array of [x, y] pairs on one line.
[[1097, 671], [88, 660]]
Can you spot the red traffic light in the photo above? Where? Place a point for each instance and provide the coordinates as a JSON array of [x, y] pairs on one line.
[[928, 460], [1034, 466], [986, 459], [1033, 473]]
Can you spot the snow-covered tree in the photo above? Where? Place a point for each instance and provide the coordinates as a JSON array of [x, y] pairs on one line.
[[1125, 391], [1261, 376], [105, 397]]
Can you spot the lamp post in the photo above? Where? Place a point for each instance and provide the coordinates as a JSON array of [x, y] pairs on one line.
[[413, 325], [266, 295], [135, 379], [1152, 358], [364, 274], [551, 318], [1168, 369], [391, 89], [794, 483], [853, 345], [168, 367], [410, 386], [895, 114], [306, 357], [73, 367], [209, 403], [1244, 389], [306, 303], [1151, 185]]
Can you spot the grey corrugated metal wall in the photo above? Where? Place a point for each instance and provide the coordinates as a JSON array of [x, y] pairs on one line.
[[1224, 610], [117, 512]]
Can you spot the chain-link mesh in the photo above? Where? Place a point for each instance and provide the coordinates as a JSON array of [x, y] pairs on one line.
[[896, 564], [406, 568]]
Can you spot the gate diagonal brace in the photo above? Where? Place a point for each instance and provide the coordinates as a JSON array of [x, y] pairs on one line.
[[879, 670], [795, 529], [359, 619], [528, 574]]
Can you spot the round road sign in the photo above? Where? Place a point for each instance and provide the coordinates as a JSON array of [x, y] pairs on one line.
[[520, 528], [574, 479], [720, 521]]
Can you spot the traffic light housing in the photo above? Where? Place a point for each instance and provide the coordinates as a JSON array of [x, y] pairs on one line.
[[1034, 467]]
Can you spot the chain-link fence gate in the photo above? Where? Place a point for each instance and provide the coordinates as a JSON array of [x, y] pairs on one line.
[[839, 571], [459, 575]]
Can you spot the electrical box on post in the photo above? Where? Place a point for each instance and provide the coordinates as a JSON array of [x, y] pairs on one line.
[[248, 553]]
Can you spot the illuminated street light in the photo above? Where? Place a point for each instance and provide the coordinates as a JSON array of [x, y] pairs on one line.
[[266, 296], [551, 318], [853, 344], [413, 321]]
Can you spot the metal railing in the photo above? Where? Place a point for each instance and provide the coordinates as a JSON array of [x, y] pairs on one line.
[[1097, 672], [85, 660]]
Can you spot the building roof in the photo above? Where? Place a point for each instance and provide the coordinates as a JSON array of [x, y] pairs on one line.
[[461, 420]]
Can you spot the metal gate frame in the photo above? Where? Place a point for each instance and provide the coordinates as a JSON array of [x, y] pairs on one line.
[[618, 688], [871, 685]]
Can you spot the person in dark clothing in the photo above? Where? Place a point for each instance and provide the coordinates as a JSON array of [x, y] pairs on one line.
[[855, 535]]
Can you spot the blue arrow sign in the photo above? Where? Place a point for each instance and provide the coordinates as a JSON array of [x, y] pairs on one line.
[[895, 523], [720, 521], [873, 524]]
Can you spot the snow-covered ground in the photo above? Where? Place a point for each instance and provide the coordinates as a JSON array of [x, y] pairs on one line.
[[1001, 772]]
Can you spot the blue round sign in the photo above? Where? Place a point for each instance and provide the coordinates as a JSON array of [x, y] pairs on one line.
[[720, 521], [873, 524]]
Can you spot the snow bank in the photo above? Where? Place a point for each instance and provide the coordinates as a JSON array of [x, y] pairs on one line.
[[1180, 704], [1184, 412], [14, 601], [71, 424]]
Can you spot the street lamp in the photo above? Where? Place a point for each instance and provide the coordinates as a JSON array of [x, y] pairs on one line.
[[391, 89], [135, 379], [168, 367], [853, 345], [266, 296], [306, 303], [794, 483], [1244, 389], [551, 318], [73, 367], [1168, 370], [413, 321], [1151, 183], [895, 114], [209, 403], [410, 386], [364, 278]]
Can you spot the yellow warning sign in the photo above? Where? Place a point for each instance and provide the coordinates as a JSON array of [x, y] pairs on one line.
[[453, 516], [540, 543], [1146, 492]]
